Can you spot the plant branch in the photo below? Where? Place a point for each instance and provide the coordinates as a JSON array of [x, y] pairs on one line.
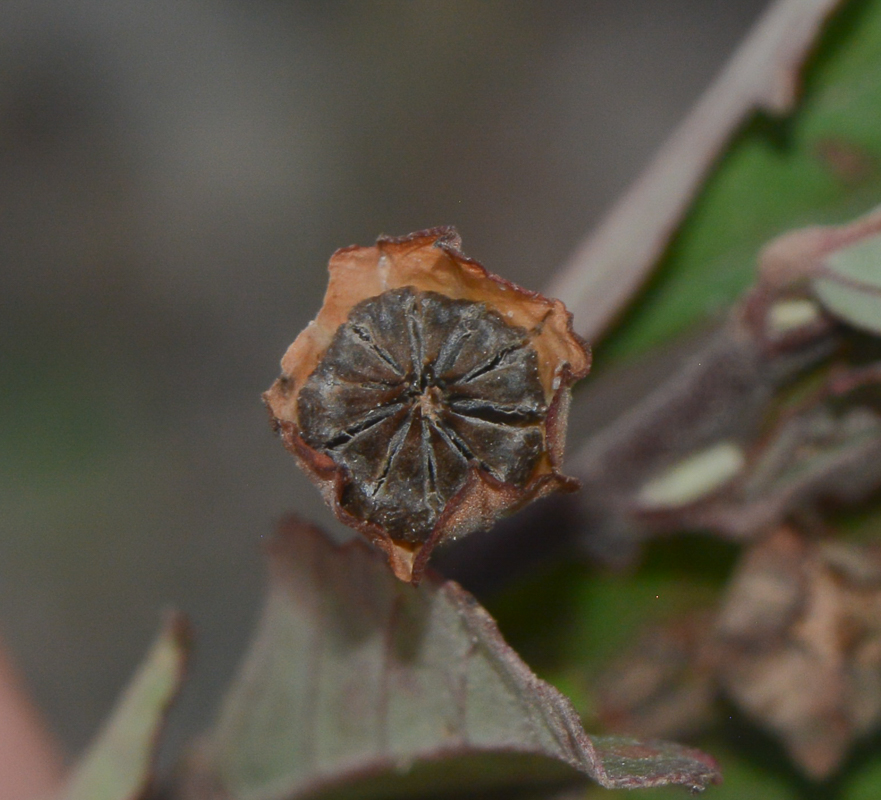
[[610, 265]]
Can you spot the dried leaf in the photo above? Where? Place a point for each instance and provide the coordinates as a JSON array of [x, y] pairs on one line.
[[119, 764], [799, 645], [358, 685], [796, 645], [612, 263], [429, 396]]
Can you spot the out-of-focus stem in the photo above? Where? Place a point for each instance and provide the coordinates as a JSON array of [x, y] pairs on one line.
[[609, 266]]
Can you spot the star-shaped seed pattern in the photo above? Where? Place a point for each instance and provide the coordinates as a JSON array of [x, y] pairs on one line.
[[415, 389]]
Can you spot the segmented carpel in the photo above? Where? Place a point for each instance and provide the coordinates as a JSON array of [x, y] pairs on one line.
[[414, 389]]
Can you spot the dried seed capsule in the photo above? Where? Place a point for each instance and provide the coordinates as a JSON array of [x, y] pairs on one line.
[[428, 396], [414, 389]]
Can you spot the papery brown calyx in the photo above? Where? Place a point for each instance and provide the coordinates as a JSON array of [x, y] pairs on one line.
[[431, 262]]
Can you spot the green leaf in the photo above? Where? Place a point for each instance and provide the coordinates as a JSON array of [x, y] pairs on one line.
[[851, 286], [863, 784], [119, 763], [821, 166], [359, 685]]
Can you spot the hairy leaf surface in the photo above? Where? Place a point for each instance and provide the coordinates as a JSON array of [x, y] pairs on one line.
[[359, 685]]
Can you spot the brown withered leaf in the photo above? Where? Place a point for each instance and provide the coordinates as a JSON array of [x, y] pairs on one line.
[[359, 685], [428, 396], [798, 644]]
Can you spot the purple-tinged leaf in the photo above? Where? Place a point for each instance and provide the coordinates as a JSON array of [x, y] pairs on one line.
[[628, 763], [359, 685]]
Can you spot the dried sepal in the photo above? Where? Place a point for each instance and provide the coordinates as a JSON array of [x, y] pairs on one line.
[[428, 396]]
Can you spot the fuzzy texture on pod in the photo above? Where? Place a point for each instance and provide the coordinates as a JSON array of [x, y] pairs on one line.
[[428, 396]]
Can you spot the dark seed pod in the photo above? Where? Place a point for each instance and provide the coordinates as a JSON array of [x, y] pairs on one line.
[[428, 396]]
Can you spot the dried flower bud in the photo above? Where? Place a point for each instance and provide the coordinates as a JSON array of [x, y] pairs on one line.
[[428, 396]]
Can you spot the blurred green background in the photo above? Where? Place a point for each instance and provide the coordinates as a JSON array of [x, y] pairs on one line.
[[173, 179]]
